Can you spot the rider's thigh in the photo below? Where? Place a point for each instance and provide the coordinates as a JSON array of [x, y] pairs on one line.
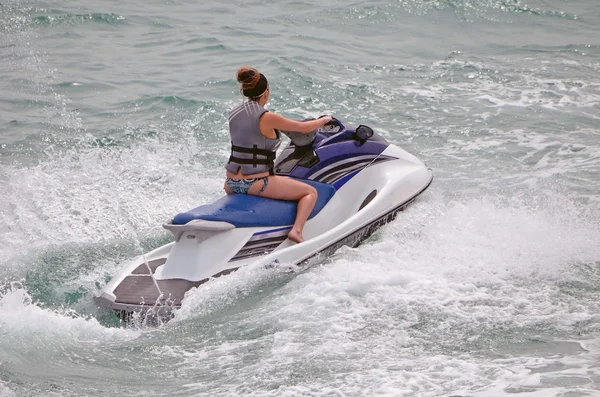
[[282, 188]]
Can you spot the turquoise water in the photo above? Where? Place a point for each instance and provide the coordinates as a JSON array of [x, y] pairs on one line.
[[113, 118]]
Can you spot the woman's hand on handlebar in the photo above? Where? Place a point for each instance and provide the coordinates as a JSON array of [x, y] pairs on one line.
[[325, 119], [310, 126]]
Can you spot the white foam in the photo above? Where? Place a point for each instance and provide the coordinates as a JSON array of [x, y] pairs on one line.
[[96, 195], [220, 292], [20, 319], [413, 311], [5, 391]]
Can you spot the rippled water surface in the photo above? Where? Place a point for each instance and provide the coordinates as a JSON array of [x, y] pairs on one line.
[[113, 118]]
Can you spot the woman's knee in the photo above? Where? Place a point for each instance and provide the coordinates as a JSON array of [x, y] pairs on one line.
[[311, 191]]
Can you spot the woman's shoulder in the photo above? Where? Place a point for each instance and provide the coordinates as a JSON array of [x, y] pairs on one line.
[[272, 115]]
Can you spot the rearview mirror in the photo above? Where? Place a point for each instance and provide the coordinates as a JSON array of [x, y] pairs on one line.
[[363, 133]]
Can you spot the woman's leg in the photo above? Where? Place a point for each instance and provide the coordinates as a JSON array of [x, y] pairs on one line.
[[284, 188], [227, 189]]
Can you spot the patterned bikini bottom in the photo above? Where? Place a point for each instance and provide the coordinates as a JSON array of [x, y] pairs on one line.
[[241, 186]]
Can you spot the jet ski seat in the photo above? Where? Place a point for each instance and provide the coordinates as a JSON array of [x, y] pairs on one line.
[[244, 210]]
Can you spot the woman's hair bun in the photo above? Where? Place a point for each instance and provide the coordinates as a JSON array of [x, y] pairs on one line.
[[248, 77]]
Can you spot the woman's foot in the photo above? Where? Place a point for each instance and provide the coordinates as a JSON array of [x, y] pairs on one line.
[[296, 236]]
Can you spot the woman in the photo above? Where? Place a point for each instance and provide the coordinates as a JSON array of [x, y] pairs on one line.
[[255, 138]]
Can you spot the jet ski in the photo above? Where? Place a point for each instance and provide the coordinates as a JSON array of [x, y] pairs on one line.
[[362, 182]]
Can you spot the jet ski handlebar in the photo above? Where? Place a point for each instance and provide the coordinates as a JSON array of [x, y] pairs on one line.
[[302, 139]]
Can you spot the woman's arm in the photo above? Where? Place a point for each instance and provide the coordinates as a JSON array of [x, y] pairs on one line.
[[274, 121]]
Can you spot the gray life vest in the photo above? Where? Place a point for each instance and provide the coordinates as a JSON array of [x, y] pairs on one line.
[[250, 150]]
